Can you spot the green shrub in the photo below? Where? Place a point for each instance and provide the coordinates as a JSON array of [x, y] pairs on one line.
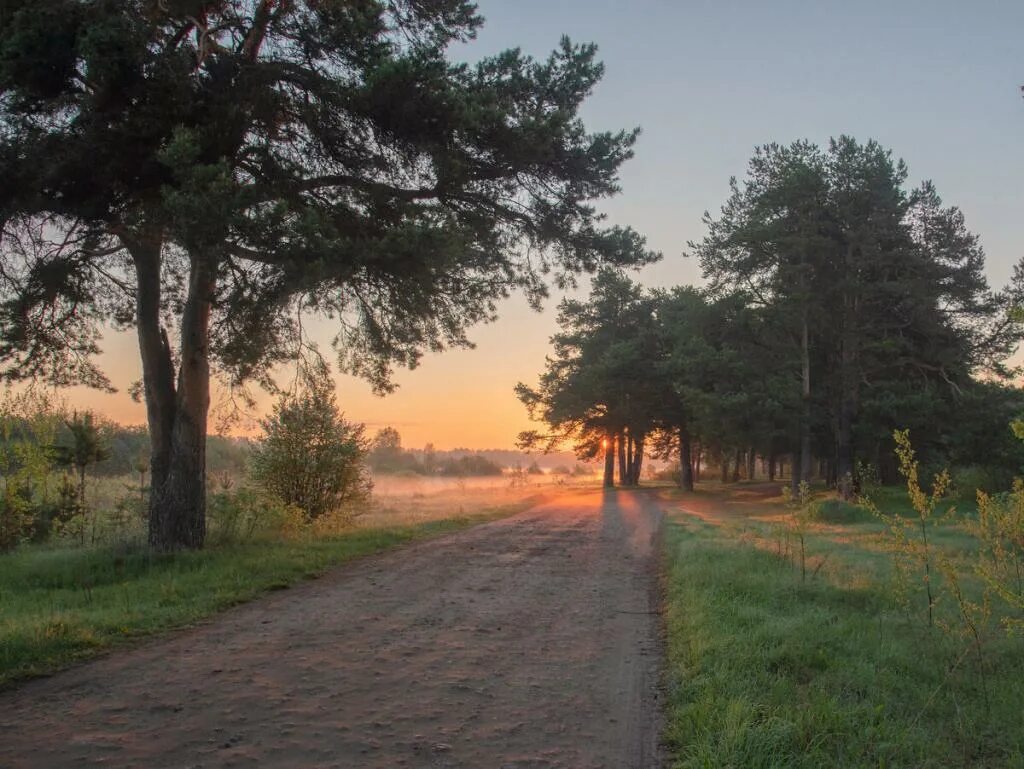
[[310, 456], [670, 472], [15, 520], [243, 514], [49, 516], [968, 480], [836, 511]]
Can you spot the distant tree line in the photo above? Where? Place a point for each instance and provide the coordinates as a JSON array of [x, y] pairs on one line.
[[387, 456], [839, 306]]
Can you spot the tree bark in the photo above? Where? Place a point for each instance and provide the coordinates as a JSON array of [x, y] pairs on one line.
[[622, 459], [844, 453], [805, 405], [154, 348], [628, 478], [725, 465], [685, 460], [638, 460], [609, 461], [176, 412], [771, 466], [737, 461], [848, 390], [751, 464]]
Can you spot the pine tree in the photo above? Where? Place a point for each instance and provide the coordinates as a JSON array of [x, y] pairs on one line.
[[208, 172]]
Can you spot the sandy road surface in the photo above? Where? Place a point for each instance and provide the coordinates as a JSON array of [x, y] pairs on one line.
[[527, 642]]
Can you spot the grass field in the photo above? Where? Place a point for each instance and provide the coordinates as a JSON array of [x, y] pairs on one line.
[[769, 669], [59, 605]]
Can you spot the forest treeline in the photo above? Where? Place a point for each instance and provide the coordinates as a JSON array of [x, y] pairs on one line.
[[387, 455], [126, 447], [839, 305], [77, 478]]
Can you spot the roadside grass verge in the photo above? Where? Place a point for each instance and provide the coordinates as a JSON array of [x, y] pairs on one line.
[[768, 670], [58, 606]]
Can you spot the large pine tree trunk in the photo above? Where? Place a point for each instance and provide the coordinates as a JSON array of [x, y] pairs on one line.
[[844, 453], [751, 464], [176, 412], [685, 460], [771, 465], [627, 479], [849, 386], [848, 393], [637, 461], [609, 461], [621, 442], [805, 405]]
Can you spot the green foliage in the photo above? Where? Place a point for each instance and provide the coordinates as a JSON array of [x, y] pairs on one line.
[[386, 454], [803, 511], [29, 424], [869, 295], [721, 389], [243, 514], [388, 457], [836, 511], [224, 132], [468, 466], [15, 520], [58, 515], [765, 672], [840, 305], [214, 176], [1000, 529], [914, 556], [310, 456], [981, 582], [87, 446]]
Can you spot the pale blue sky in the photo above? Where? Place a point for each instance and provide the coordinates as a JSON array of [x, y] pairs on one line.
[[936, 82]]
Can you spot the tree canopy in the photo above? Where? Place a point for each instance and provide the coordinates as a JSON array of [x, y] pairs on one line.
[[839, 306], [211, 172]]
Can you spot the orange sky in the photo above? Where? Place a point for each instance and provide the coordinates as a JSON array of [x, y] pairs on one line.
[[461, 398]]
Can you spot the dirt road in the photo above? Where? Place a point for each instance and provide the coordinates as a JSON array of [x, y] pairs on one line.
[[528, 642]]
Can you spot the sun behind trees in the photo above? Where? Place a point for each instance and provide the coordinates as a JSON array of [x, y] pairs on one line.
[[209, 172], [839, 307]]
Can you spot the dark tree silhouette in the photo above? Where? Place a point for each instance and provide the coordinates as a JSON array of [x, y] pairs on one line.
[[209, 171], [869, 282], [600, 390]]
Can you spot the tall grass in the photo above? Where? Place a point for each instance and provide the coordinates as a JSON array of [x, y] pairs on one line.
[[769, 670]]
